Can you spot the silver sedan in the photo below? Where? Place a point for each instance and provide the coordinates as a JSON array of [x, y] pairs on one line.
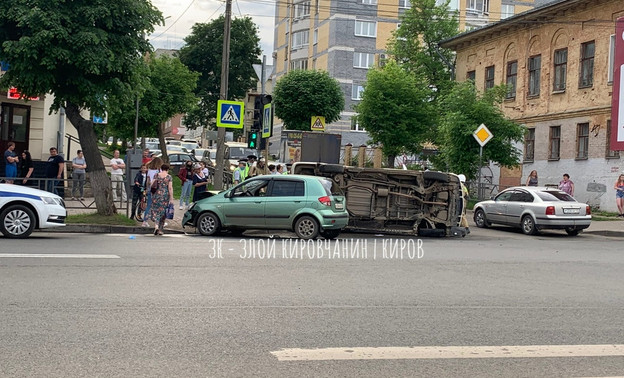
[[533, 209]]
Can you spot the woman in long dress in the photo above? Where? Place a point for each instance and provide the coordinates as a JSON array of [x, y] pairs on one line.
[[161, 198]]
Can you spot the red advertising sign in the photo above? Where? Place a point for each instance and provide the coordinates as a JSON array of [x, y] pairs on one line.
[[14, 94], [617, 104]]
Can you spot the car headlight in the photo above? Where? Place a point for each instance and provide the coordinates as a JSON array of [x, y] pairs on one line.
[[52, 201]]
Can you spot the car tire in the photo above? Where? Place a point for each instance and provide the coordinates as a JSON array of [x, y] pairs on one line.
[[306, 227], [480, 219], [208, 224], [572, 231], [436, 176], [528, 225], [331, 168], [330, 234], [17, 222]]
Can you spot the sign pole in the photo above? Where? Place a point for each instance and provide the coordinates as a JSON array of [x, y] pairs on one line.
[[479, 189]]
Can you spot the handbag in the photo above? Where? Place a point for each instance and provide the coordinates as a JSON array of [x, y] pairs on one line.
[[154, 186], [169, 212]]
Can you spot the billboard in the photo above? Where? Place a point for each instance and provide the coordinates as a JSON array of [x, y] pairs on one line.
[[617, 104]]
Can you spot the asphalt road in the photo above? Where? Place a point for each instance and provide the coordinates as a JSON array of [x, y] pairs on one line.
[[162, 306]]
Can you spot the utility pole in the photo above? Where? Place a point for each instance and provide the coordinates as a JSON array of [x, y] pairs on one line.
[[225, 71]]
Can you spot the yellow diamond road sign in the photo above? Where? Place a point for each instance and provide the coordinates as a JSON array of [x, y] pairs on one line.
[[482, 135], [318, 123]]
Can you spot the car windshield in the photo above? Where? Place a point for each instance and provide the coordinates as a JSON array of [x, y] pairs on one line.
[[152, 146], [241, 152], [331, 188], [174, 148], [189, 146], [551, 195]]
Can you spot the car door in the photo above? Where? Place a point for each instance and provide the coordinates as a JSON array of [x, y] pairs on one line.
[[517, 205], [245, 205], [497, 210], [286, 197]]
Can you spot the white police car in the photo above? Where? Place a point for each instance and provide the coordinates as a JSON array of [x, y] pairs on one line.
[[22, 209]]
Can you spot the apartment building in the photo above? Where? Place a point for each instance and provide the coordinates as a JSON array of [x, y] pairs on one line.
[[347, 38], [557, 60]]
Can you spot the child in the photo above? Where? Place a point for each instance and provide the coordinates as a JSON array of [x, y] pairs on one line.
[[138, 190]]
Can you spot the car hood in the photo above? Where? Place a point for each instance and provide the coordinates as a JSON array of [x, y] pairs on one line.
[[8, 188]]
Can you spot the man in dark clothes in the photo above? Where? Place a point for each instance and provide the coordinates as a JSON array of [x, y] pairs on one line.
[[54, 169]]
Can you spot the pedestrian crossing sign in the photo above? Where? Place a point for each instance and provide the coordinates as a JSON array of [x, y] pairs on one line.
[[230, 114], [318, 123]]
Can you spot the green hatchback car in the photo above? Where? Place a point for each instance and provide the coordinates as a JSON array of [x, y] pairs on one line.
[[310, 206]]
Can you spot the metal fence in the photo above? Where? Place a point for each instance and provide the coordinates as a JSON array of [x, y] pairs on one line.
[[69, 190]]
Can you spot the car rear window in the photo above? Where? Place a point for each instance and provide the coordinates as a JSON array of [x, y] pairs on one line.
[[552, 195], [331, 188]]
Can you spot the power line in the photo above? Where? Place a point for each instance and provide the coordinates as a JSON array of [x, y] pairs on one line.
[[177, 19]]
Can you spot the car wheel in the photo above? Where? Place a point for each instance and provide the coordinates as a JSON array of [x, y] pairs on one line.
[[435, 176], [480, 220], [17, 221], [306, 227], [331, 168], [572, 231], [208, 224], [528, 225], [330, 234]]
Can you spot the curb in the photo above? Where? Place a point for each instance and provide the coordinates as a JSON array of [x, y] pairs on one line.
[[615, 234], [108, 229]]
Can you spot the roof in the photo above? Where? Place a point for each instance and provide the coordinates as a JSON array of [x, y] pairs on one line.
[[530, 18]]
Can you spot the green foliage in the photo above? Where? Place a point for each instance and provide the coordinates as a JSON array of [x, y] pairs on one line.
[[84, 52], [203, 52], [462, 111], [415, 43], [395, 110], [302, 94], [169, 91]]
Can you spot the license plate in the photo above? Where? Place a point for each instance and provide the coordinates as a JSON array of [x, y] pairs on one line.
[[571, 211], [339, 206]]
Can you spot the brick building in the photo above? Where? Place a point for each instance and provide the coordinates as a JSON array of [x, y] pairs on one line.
[[558, 62]]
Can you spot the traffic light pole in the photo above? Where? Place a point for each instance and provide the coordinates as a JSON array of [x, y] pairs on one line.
[[225, 70]]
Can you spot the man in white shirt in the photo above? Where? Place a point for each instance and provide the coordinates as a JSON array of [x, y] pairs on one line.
[[117, 170]]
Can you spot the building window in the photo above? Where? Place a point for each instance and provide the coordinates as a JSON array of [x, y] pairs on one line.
[[561, 69], [582, 140], [529, 145], [355, 125], [315, 36], [405, 4], [299, 64], [507, 11], [512, 77], [535, 63], [555, 142], [366, 28], [478, 6], [586, 78], [302, 9], [369, 2], [489, 77], [610, 153], [611, 58], [363, 60], [356, 92], [300, 39], [471, 75]]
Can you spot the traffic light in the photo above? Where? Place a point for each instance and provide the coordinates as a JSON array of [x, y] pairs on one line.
[[259, 103], [252, 139]]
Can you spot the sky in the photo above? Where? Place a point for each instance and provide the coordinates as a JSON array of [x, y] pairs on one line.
[[181, 15]]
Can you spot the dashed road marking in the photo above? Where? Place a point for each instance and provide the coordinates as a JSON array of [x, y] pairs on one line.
[[57, 256], [447, 352]]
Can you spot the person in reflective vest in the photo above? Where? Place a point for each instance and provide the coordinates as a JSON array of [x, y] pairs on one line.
[[240, 173]]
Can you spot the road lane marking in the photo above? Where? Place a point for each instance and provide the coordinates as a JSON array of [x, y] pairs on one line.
[[58, 256], [445, 352]]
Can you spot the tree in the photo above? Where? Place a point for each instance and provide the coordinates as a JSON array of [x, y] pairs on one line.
[[169, 91], [395, 110], [202, 53], [415, 44], [302, 94], [463, 109], [87, 54]]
